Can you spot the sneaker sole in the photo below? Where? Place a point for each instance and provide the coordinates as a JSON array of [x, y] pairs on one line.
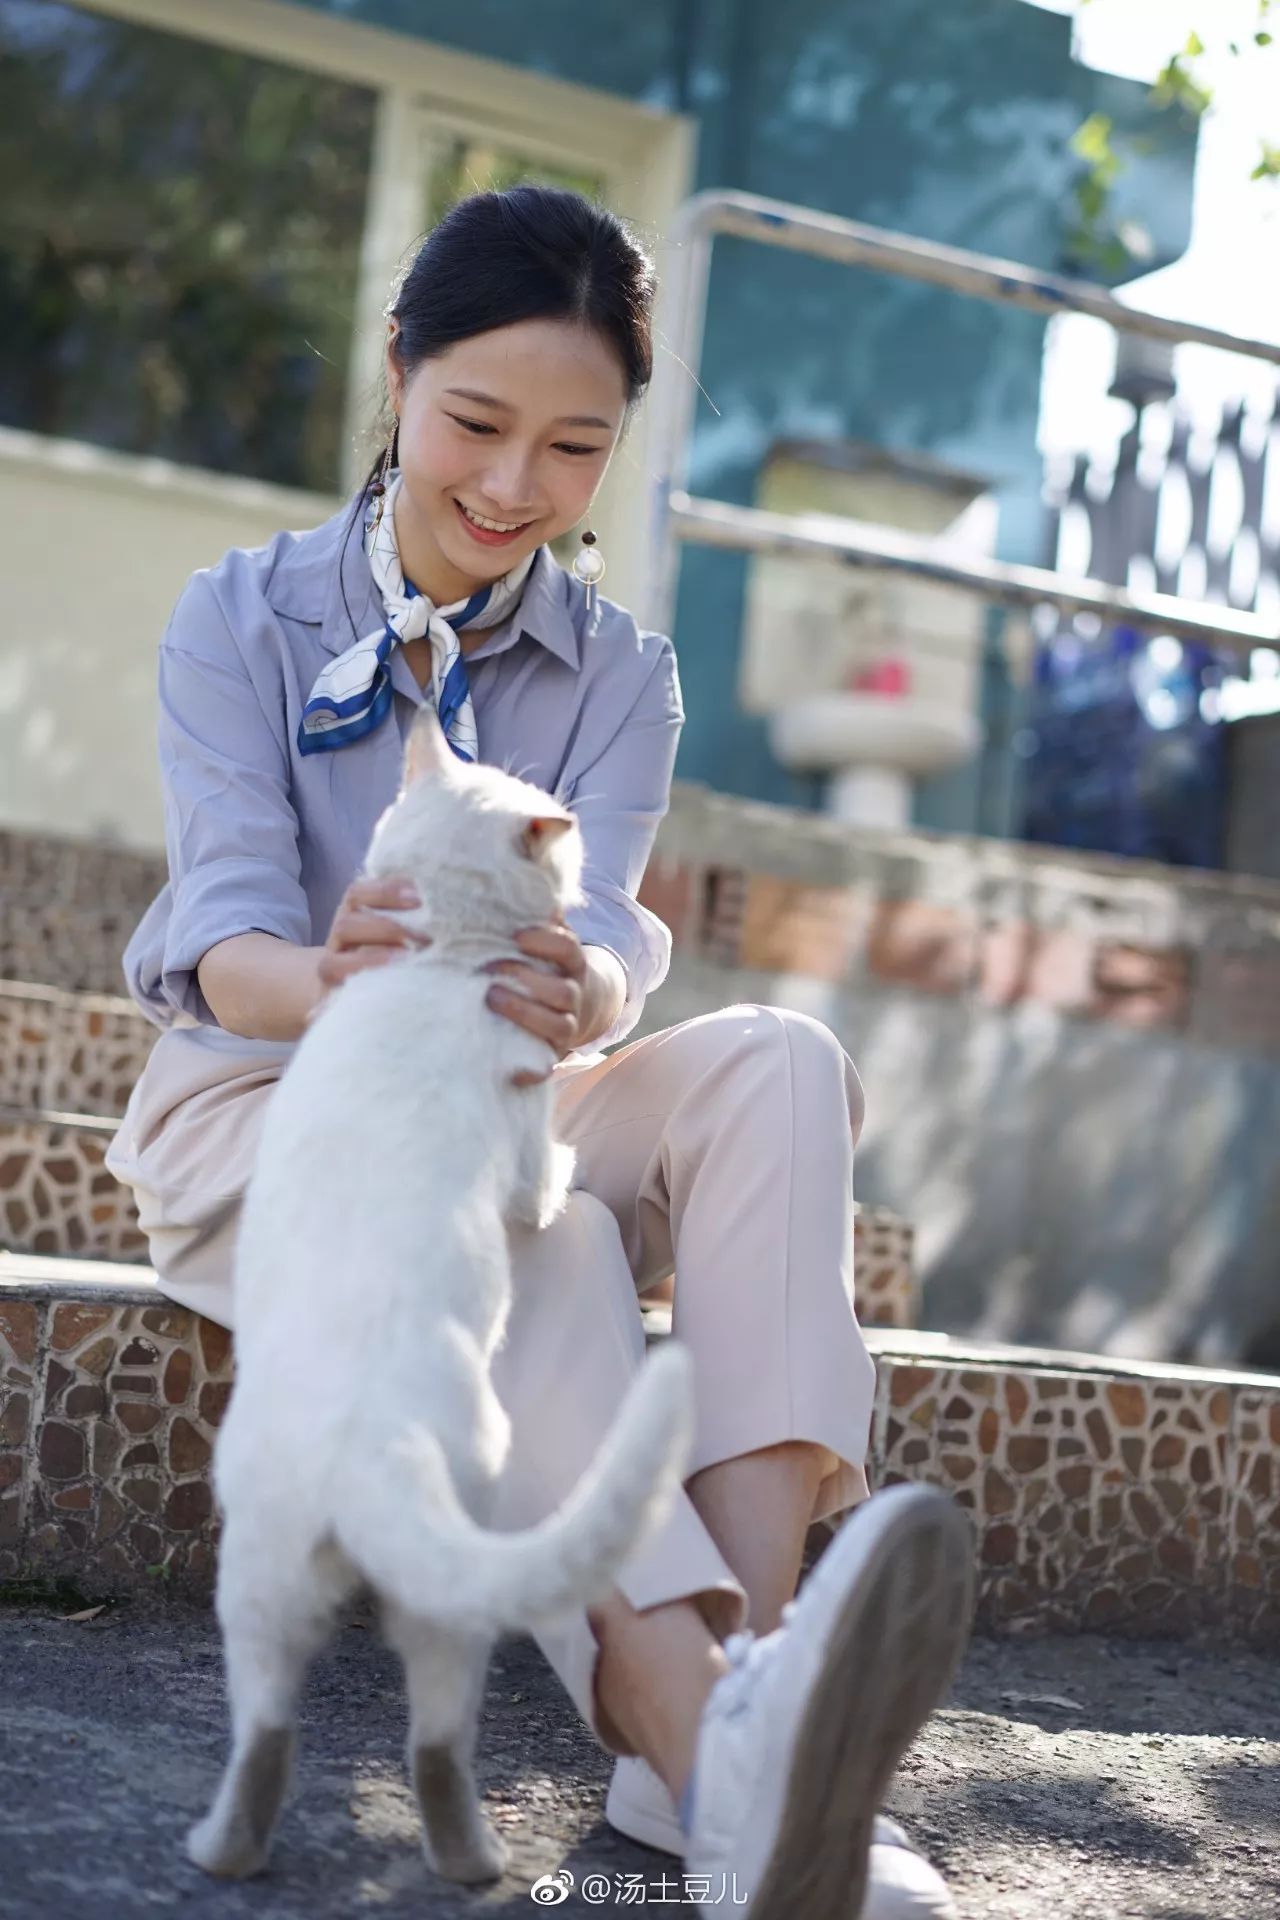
[[892, 1651]]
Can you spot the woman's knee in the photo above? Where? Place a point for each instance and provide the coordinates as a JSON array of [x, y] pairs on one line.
[[580, 1252], [799, 1051]]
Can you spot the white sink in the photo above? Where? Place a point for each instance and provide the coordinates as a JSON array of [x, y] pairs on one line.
[[875, 745]]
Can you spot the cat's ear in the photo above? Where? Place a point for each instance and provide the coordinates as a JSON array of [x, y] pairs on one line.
[[427, 754], [542, 832]]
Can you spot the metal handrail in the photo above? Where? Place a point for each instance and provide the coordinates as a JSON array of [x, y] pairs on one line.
[[860, 543], [677, 516]]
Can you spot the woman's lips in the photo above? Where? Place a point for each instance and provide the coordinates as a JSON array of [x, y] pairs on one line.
[[484, 536]]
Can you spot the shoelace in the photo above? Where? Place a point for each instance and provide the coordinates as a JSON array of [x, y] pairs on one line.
[[747, 1653]]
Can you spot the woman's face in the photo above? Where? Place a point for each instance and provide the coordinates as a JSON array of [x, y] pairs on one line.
[[515, 428]]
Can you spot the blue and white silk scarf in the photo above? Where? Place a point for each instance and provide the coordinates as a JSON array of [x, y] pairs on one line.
[[353, 694]]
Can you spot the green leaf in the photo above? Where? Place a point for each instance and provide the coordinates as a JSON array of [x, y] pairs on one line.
[[1268, 168], [1174, 86], [1194, 47], [1092, 138], [1091, 196], [1263, 39]]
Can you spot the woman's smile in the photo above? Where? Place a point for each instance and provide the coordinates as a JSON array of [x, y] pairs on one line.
[[490, 533]]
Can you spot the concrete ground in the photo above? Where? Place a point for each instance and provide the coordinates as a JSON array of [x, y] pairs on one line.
[[1068, 1780]]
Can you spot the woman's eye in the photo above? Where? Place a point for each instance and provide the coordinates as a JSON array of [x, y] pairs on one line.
[[487, 427]]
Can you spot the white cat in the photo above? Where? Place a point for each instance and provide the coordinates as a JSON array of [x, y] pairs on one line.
[[372, 1287]]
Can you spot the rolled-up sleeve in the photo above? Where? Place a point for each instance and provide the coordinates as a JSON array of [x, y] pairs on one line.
[[620, 799], [231, 832]]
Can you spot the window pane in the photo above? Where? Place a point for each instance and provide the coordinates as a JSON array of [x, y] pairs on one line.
[[474, 166], [178, 245]]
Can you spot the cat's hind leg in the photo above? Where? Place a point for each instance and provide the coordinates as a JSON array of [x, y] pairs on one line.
[[445, 1675], [276, 1610]]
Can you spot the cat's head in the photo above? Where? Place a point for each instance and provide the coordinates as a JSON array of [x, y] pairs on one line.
[[487, 851]]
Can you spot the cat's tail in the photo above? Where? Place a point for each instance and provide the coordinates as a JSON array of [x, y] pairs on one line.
[[401, 1523]]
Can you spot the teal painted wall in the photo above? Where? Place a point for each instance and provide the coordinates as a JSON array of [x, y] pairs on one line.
[[948, 121]]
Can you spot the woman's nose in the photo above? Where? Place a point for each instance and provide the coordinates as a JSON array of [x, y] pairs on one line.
[[510, 484]]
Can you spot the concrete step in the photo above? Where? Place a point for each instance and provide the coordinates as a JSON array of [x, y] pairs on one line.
[[1103, 1495]]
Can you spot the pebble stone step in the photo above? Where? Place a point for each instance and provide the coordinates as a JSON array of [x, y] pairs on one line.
[[1122, 1497], [67, 1063], [56, 1196], [69, 1052]]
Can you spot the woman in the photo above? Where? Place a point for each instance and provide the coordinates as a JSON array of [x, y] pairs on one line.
[[518, 344]]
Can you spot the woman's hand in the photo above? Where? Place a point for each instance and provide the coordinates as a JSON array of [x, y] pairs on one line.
[[363, 935], [552, 1005]]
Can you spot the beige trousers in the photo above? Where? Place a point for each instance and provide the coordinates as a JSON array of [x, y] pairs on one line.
[[721, 1148]]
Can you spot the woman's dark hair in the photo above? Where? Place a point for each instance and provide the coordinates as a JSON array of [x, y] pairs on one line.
[[525, 253], [528, 253]]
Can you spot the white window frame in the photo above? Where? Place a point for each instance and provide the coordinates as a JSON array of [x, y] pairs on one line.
[[426, 92]]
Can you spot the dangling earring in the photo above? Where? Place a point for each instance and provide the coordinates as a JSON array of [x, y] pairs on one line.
[[378, 490], [588, 566]]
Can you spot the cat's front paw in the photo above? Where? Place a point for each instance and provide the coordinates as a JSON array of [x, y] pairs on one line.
[[524, 1208], [553, 1197], [538, 1204]]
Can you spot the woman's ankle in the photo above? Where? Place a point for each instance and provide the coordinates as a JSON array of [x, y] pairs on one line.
[[655, 1670]]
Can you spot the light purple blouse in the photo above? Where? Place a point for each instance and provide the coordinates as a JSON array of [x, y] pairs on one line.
[[262, 837]]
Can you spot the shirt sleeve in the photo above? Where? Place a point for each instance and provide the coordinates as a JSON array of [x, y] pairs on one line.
[[620, 799], [231, 832]]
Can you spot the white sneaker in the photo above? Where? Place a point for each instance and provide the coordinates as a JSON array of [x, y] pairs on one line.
[[799, 1738], [901, 1885]]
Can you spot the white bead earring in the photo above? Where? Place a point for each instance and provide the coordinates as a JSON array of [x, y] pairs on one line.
[[588, 566]]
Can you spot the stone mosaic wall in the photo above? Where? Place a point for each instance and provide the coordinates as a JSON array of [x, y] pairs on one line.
[[1009, 1009], [67, 908], [884, 1278], [67, 1064], [57, 1197], [109, 1402], [1252, 1564], [1119, 942], [767, 890], [1068, 1062], [1143, 1503], [70, 1052], [1099, 1501], [87, 873], [79, 1054]]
